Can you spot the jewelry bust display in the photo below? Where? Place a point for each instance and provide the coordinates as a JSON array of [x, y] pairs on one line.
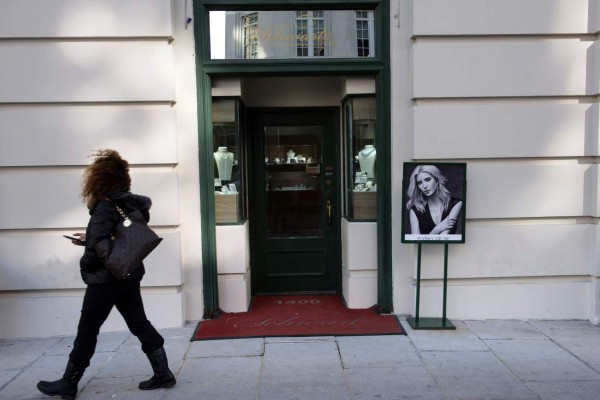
[[224, 161], [366, 159], [291, 155]]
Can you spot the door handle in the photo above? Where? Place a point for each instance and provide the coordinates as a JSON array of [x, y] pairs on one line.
[[329, 212]]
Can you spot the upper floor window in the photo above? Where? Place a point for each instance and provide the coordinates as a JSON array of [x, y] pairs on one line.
[[310, 34]]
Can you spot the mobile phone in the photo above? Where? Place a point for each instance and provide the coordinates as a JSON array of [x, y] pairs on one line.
[[74, 238]]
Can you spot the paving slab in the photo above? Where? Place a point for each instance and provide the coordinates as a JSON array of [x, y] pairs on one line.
[[110, 341], [226, 348], [580, 338], [316, 363], [223, 371], [125, 388], [299, 339], [17, 354], [377, 351], [567, 390], [183, 333], [7, 376], [474, 375], [64, 346], [505, 329], [126, 365], [211, 391], [218, 378], [107, 342], [304, 392], [460, 339], [540, 360], [392, 383], [303, 370], [131, 345], [48, 368]]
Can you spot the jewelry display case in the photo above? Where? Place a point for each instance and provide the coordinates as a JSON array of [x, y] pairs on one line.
[[229, 183], [361, 153]]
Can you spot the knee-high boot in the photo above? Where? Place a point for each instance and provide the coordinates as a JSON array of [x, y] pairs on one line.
[[66, 387], [163, 377]]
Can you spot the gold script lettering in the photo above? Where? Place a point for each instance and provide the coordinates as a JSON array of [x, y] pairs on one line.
[[280, 35]]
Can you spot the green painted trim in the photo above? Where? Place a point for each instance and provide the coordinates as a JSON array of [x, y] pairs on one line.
[[261, 5], [378, 66], [384, 168], [206, 173], [291, 67]]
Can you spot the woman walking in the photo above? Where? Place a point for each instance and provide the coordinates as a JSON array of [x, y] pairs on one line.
[[106, 182]]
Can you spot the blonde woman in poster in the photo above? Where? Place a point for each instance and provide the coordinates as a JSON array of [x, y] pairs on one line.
[[431, 208]]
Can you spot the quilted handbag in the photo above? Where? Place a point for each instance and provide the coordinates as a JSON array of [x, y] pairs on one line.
[[131, 241]]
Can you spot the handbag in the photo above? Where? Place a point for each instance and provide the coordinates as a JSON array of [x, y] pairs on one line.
[[131, 241]]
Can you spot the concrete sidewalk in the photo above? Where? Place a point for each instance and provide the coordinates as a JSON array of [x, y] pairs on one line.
[[480, 360]]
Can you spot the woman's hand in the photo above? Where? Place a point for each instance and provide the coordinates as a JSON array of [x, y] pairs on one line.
[[447, 224], [81, 239], [444, 226]]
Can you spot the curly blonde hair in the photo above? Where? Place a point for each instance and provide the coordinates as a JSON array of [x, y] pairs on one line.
[[108, 173]]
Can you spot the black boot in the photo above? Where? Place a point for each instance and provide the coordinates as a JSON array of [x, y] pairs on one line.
[[66, 387], [163, 377]]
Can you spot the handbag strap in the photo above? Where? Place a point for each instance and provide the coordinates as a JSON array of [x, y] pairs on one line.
[[127, 221]]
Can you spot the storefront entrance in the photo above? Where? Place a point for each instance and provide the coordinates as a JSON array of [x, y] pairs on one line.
[[293, 238], [294, 200]]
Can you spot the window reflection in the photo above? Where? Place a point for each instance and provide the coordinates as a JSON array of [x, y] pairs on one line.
[[292, 34], [251, 43], [364, 33], [310, 34]]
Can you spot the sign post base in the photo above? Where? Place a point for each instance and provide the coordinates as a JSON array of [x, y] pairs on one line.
[[418, 322], [430, 323]]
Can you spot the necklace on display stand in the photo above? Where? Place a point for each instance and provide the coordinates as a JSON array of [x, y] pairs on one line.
[[224, 161], [367, 151], [223, 153]]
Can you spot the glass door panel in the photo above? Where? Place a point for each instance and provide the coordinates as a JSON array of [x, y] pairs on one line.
[[293, 190]]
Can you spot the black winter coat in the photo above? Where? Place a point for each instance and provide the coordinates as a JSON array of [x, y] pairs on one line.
[[104, 218]]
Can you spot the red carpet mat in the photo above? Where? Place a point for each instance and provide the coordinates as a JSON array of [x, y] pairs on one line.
[[301, 315]]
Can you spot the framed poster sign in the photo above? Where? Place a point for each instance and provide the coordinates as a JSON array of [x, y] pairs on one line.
[[433, 202]]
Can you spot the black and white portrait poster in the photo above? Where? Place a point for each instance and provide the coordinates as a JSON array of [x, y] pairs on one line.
[[433, 202]]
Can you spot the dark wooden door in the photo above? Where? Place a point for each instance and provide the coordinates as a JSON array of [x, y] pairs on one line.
[[294, 201]]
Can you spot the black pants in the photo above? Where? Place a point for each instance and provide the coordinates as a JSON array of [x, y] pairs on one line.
[[97, 304]]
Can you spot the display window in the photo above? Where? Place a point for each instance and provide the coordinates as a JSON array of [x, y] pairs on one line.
[[229, 178], [361, 157]]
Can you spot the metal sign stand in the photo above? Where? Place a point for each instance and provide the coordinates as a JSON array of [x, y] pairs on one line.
[[418, 322]]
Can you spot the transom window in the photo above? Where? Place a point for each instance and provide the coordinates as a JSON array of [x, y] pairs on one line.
[[289, 34]]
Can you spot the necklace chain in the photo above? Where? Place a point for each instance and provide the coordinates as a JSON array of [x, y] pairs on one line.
[[366, 152], [223, 156]]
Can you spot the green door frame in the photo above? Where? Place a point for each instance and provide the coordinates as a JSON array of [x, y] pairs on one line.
[[378, 66]]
